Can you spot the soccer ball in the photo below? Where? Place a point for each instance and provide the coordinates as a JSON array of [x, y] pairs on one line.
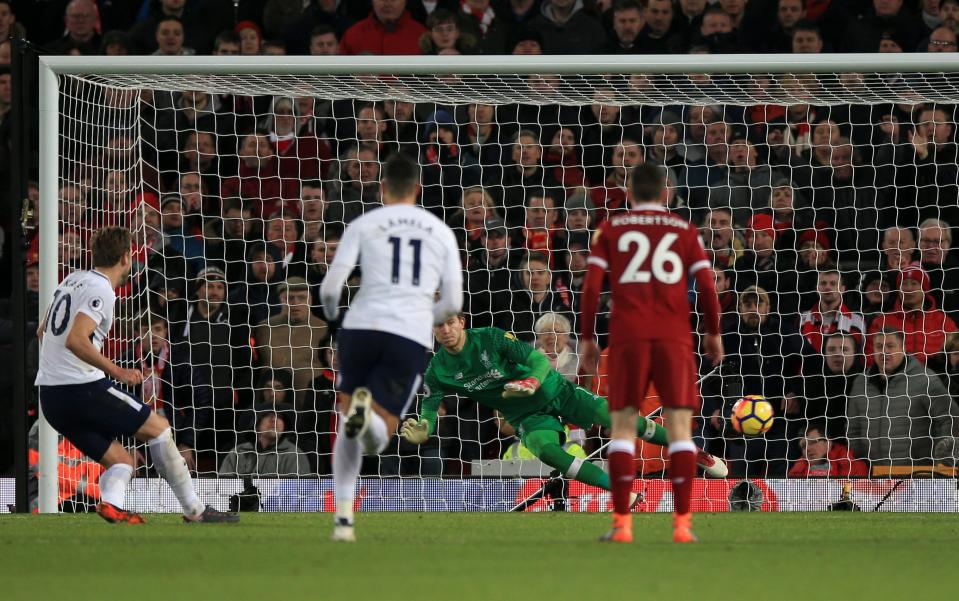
[[752, 415]]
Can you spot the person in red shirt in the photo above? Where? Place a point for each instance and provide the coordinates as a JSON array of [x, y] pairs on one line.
[[650, 254], [923, 324], [825, 458], [388, 30], [830, 315]]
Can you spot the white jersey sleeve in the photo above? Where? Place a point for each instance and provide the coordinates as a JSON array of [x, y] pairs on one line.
[[451, 285], [406, 254], [86, 292]]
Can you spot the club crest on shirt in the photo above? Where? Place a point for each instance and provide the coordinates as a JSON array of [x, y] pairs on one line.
[[484, 359], [458, 376]]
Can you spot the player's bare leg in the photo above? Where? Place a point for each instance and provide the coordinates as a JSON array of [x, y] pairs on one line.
[[113, 486], [171, 466], [370, 426], [622, 473], [682, 470]]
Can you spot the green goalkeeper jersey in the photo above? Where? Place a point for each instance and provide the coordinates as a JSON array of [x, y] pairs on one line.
[[490, 359]]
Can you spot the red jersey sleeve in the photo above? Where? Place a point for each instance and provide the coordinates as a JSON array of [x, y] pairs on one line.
[[597, 266]]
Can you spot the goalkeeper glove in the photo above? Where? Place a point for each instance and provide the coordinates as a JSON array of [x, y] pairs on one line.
[[520, 388], [416, 432]]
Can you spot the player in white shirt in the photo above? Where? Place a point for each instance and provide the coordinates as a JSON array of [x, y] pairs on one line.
[[82, 403], [405, 255]]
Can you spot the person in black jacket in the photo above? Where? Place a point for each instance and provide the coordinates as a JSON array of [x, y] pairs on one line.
[[177, 390], [488, 278], [534, 294]]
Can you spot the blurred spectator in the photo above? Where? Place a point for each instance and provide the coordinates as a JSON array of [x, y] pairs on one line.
[[284, 243], [8, 22], [716, 31], [610, 196], [723, 244], [747, 185], [443, 33], [273, 47], [196, 22], [898, 249], [258, 292], [926, 171], [562, 157], [769, 352], [116, 43], [229, 250], [527, 42], [863, 35], [534, 296], [178, 243], [761, 265], [806, 39], [489, 278], [876, 296], [81, 34], [830, 315], [302, 152], [251, 37], [923, 324], [357, 187], [481, 19], [313, 208], [942, 39], [322, 252], [227, 43], [728, 304], [657, 36], [628, 20], [899, 413], [554, 339], [441, 176], [825, 458], [258, 180], [935, 246], [211, 334], [525, 171], [271, 454], [602, 129], [469, 221], [539, 232], [389, 29], [814, 256], [567, 29], [291, 339], [169, 38], [323, 41], [175, 390], [827, 380]]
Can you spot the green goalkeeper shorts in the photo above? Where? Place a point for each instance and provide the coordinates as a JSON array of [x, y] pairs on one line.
[[579, 407]]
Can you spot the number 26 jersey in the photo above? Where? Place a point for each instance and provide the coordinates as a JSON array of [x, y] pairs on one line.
[[87, 292], [649, 255]]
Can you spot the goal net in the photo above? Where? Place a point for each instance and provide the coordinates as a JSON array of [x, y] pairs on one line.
[[826, 199]]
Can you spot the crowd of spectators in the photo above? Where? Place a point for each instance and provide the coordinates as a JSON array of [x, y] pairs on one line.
[[830, 226]]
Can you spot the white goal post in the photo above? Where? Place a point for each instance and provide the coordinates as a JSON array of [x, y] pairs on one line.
[[813, 79]]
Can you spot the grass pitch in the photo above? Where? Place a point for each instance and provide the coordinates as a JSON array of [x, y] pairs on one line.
[[461, 557]]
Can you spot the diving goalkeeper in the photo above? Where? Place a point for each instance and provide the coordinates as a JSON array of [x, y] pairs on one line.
[[493, 368]]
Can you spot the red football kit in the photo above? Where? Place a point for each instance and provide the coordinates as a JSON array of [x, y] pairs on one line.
[[649, 254]]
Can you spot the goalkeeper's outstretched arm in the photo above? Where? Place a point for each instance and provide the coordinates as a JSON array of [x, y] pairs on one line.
[[418, 431]]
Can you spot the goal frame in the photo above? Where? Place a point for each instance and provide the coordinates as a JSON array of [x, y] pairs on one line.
[[51, 67]]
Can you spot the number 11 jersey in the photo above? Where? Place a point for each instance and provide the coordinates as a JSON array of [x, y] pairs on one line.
[[405, 254], [649, 254], [87, 292]]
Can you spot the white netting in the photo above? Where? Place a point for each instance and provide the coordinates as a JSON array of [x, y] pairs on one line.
[[251, 179]]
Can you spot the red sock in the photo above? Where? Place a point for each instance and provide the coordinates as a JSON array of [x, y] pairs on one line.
[[682, 471], [622, 472]]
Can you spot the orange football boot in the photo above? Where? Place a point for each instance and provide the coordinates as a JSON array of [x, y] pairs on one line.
[[115, 515], [622, 531], [683, 528]]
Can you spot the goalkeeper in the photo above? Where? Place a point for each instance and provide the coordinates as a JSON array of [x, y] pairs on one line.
[[498, 371]]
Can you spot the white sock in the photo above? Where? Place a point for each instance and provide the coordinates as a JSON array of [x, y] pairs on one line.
[[172, 468], [347, 460], [376, 437], [113, 484]]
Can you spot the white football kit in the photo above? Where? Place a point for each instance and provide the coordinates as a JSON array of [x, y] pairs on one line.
[[405, 254], [88, 292]]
